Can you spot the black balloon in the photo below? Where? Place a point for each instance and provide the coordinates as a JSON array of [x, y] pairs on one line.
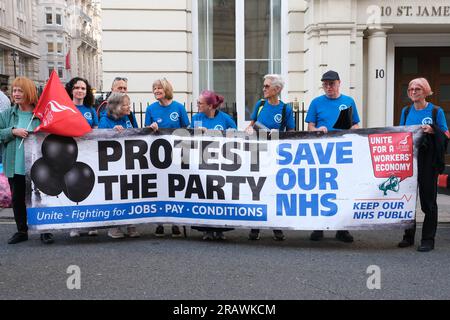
[[60, 152], [45, 178], [79, 182]]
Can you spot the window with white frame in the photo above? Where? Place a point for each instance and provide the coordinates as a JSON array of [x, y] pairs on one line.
[[60, 70], [58, 17], [238, 43], [50, 44], [48, 16], [51, 67], [59, 46]]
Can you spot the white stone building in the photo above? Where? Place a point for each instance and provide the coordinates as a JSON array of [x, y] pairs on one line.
[[377, 46], [19, 52], [69, 38]]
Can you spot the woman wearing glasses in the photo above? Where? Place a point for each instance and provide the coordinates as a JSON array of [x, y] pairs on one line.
[[273, 114], [434, 124], [165, 113], [210, 117]]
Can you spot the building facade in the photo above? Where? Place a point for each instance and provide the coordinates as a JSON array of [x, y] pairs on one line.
[[19, 51], [69, 39], [228, 45]]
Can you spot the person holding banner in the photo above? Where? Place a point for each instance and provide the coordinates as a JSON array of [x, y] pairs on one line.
[[119, 84], [434, 124], [15, 124], [329, 112], [80, 91], [117, 111], [273, 114], [210, 117], [165, 113]]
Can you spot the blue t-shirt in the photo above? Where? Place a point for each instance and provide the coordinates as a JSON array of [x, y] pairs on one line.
[[172, 116], [324, 111], [89, 114], [424, 116], [221, 121], [271, 115], [107, 122]]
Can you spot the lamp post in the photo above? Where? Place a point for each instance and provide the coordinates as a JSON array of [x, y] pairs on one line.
[[14, 56]]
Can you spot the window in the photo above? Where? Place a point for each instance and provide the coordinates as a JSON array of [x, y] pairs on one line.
[[217, 48], [58, 19], [262, 47], [238, 43], [50, 47], [59, 47], [51, 67], [60, 70], [49, 18]]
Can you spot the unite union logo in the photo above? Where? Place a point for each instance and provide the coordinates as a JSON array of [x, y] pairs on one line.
[[56, 107]]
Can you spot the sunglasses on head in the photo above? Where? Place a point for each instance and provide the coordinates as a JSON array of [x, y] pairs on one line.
[[120, 79]]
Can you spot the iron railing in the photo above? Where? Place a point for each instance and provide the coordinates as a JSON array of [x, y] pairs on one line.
[[298, 109]]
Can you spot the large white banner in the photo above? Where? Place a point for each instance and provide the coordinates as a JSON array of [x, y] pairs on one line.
[[361, 179]]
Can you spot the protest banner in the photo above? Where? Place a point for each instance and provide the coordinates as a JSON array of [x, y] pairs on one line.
[[360, 179]]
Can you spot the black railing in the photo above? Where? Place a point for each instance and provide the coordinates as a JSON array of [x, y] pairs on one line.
[[230, 108]]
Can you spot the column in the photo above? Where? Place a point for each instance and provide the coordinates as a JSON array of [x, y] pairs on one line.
[[376, 79]]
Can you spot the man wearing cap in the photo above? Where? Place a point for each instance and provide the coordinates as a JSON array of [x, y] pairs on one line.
[[323, 115]]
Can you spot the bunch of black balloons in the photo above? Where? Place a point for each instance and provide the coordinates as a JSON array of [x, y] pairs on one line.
[[58, 170]]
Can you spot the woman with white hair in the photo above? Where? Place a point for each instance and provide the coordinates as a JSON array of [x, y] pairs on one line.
[[274, 114], [117, 111]]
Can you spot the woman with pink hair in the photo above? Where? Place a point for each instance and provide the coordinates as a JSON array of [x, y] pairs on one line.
[[210, 117], [434, 124]]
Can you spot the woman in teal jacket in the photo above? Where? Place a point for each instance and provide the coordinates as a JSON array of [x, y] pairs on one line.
[[15, 124]]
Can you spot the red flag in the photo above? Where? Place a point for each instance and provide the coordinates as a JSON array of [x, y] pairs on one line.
[[57, 112], [68, 60]]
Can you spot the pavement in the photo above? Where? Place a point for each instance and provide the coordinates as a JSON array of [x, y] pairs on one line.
[[443, 201]]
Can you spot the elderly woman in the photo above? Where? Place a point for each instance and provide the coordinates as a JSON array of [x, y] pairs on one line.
[[432, 120], [15, 124], [165, 113], [210, 117], [273, 114], [117, 111]]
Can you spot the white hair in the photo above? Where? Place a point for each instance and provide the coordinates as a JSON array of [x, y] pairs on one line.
[[277, 80]]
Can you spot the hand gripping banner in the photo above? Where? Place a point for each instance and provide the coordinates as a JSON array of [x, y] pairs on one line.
[[360, 179]]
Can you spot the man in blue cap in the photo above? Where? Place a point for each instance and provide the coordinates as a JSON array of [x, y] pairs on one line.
[[324, 115]]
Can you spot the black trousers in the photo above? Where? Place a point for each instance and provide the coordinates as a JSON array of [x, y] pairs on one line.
[[18, 187], [427, 180]]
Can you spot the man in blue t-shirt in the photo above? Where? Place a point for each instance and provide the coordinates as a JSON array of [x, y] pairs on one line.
[[323, 115]]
